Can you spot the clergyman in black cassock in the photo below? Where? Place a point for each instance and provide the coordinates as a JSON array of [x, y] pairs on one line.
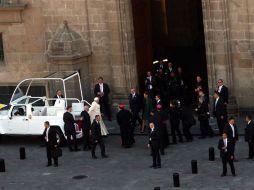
[[154, 144], [226, 147], [50, 138], [124, 119], [158, 118]]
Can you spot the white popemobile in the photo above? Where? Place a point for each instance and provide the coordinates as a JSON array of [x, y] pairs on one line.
[[26, 113]]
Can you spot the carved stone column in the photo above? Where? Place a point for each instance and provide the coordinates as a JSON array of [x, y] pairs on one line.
[[218, 46]]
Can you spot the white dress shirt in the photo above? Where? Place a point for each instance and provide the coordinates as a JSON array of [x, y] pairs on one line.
[[225, 144], [219, 88], [47, 134], [216, 101], [101, 87], [233, 129]]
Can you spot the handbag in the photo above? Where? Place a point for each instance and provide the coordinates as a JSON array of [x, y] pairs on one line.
[[56, 152]]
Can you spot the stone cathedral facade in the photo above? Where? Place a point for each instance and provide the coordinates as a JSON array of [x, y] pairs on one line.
[[96, 37]]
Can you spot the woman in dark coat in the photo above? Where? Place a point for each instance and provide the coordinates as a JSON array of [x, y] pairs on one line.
[[147, 109]]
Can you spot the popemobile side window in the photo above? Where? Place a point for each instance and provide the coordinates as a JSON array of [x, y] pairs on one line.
[[19, 111]]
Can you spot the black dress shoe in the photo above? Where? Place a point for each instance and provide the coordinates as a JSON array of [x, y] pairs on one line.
[[233, 175], [223, 175], [71, 150], [153, 166], [76, 150], [94, 157], [104, 156], [48, 165]]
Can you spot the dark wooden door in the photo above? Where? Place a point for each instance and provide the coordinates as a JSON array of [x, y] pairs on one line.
[[142, 30]]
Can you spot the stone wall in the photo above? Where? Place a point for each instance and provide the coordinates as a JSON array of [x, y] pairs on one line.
[[107, 34], [229, 28]]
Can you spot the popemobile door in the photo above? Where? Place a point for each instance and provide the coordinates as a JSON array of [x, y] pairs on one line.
[[18, 120]]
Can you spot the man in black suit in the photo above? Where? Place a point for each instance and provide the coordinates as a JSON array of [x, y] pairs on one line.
[[169, 69], [154, 144], [69, 128], [97, 137], [223, 91], [124, 119], [49, 135], [226, 148], [220, 112], [150, 83], [58, 95], [160, 66], [203, 115], [135, 106], [249, 135], [158, 101], [175, 116], [102, 91], [231, 130], [86, 127]]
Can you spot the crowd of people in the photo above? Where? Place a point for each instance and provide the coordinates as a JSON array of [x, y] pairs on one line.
[[165, 102]]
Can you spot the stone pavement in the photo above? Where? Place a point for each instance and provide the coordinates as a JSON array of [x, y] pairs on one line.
[[125, 169]]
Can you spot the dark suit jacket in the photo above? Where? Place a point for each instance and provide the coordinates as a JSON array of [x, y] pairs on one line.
[[229, 131], [135, 102], [69, 122], [249, 132], [224, 93], [96, 131], [86, 120], [152, 82], [159, 66], [187, 116], [220, 109], [106, 91], [175, 115], [230, 148], [52, 139], [154, 139], [203, 109]]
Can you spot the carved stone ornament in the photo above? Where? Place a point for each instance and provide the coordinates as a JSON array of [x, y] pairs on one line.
[[67, 45]]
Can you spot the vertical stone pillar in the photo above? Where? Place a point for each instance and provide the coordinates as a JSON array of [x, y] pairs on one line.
[[217, 38], [218, 46]]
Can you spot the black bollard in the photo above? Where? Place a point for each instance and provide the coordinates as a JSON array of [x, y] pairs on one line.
[[176, 180], [22, 153], [194, 166], [2, 165], [211, 154], [157, 188]]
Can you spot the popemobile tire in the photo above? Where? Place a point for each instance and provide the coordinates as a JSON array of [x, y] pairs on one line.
[[62, 139]]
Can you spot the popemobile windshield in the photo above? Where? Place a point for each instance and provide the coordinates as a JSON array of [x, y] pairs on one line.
[[27, 113]]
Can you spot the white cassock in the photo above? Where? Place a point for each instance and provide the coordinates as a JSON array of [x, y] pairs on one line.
[[95, 110]]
